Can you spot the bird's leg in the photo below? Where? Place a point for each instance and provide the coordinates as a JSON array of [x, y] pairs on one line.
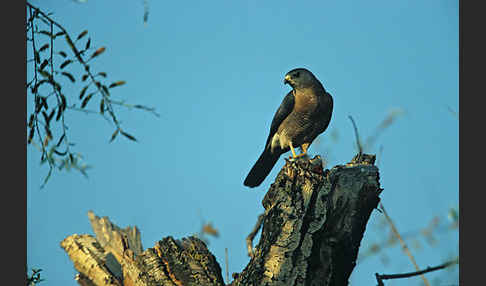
[[293, 151], [303, 148]]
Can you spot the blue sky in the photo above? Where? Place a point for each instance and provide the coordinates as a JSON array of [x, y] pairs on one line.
[[214, 71]]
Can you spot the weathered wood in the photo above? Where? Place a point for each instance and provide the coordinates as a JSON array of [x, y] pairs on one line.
[[89, 259], [111, 235], [122, 245], [189, 262], [313, 224], [119, 259]]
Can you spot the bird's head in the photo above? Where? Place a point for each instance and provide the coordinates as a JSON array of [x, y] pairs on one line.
[[300, 78]]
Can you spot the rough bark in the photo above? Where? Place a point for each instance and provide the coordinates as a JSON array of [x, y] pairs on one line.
[[313, 223], [115, 257]]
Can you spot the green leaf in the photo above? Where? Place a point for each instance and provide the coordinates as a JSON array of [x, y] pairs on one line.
[[88, 43], [113, 136], [59, 113], [70, 42], [44, 64], [59, 33], [102, 106], [36, 57], [44, 74], [128, 135], [68, 75], [83, 91], [63, 102], [83, 33], [86, 99], [98, 52], [60, 140], [65, 63], [31, 134], [60, 153], [43, 159], [31, 120], [117, 83], [44, 47]]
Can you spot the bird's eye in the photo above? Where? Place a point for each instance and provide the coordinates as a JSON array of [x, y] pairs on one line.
[[297, 74]]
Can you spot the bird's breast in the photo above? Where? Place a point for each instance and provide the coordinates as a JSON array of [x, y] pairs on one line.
[[305, 102]]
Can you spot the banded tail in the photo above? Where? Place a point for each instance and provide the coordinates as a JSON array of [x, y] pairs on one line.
[[262, 168]]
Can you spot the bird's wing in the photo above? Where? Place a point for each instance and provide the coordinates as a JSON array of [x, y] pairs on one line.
[[326, 106], [283, 111]]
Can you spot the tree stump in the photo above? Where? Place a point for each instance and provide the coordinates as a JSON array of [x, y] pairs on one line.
[[313, 223]]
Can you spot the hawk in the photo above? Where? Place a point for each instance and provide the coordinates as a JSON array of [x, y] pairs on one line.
[[304, 113]]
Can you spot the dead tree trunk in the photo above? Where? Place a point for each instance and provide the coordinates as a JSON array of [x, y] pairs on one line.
[[313, 224]]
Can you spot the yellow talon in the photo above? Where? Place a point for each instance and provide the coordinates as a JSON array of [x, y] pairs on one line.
[[303, 147], [293, 151]]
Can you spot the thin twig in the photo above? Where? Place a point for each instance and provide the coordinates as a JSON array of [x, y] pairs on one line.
[[251, 236], [381, 277], [138, 106], [386, 243], [88, 111], [57, 92], [358, 143], [226, 261], [404, 245]]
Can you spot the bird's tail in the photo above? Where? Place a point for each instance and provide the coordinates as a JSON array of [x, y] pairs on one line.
[[262, 168]]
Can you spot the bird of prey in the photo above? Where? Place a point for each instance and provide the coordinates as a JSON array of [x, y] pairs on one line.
[[304, 113]]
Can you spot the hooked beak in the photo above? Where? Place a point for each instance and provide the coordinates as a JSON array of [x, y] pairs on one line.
[[287, 79]]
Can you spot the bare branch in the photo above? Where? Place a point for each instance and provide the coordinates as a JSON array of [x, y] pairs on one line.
[[381, 277], [251, 236], [358, 143], [226, 263], [402, 242]]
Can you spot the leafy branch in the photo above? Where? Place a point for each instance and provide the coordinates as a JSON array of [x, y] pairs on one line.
[[34, 278], [51, 102]]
